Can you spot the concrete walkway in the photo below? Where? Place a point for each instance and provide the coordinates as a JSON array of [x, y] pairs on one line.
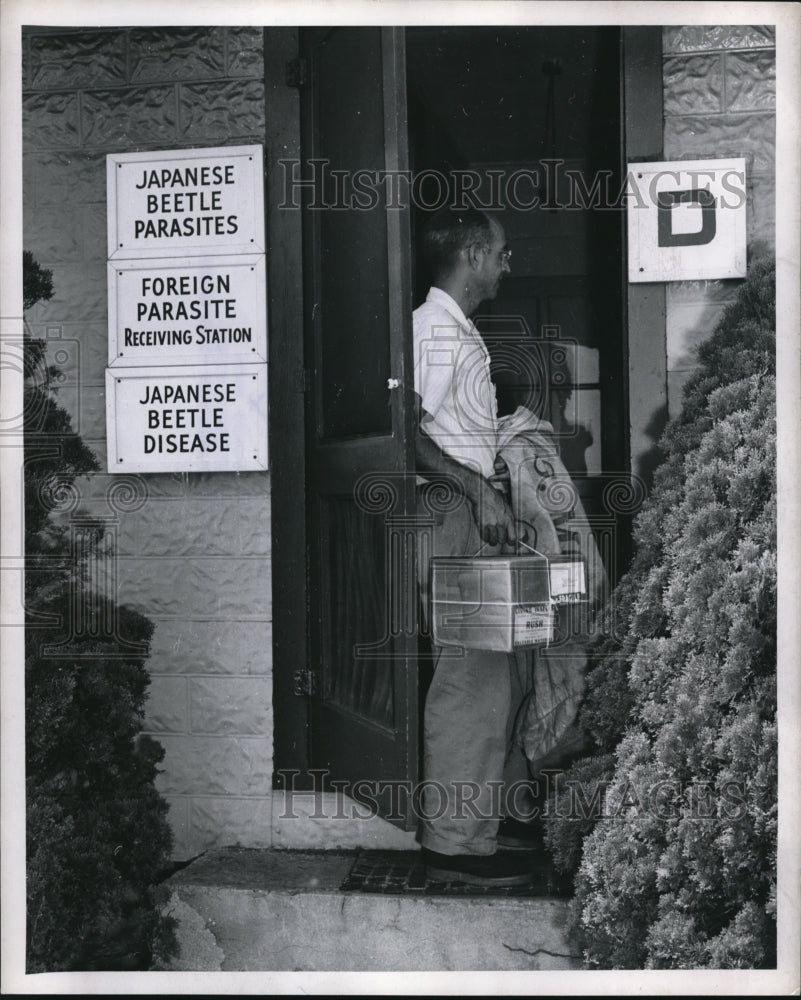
[[256, 910]]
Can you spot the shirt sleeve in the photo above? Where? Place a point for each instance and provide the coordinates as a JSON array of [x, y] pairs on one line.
[[434, 362]]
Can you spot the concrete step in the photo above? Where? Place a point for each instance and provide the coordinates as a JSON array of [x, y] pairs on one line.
[[244, 909]]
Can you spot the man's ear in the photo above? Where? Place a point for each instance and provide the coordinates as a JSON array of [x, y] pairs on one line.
[[473, 255]]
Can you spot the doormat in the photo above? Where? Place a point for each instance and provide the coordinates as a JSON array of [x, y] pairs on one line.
[[402, 873]]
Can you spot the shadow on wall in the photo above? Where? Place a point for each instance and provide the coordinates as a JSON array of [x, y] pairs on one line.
[[650, 460]]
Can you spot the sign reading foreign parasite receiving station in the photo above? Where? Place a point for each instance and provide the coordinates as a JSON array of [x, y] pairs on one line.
[[202, 310], [186, 383]]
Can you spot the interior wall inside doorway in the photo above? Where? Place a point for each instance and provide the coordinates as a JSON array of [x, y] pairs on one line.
[[534, 113]]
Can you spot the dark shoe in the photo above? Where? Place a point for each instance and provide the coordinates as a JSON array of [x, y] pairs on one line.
[[477, 869], [515, 835]]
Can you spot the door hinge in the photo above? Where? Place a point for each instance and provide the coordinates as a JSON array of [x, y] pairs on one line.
[[303, 686], [296, 72]]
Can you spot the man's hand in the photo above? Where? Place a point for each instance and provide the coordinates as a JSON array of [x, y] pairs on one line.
[[502, 478], [491, 509], [493, 515]]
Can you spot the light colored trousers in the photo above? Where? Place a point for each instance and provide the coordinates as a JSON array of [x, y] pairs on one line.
[[468, 722]]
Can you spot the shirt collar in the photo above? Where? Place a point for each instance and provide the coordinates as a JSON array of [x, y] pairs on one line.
[[443, 299]]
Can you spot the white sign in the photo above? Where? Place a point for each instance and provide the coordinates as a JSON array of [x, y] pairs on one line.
[[185, 201], [533, 624], [568, 581], [686, 220], [201, 310], [187, 419], [186, 386]]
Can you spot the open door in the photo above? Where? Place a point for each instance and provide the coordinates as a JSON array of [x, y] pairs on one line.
[[360, 494]]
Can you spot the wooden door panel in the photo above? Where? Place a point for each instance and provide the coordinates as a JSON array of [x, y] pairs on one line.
[[356, 612], [354, 352], [364, 707]]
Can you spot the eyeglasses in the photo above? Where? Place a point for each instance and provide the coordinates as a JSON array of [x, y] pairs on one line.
[[505, 255]]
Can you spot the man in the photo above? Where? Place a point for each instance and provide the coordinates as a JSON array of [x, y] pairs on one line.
[[471, 699]]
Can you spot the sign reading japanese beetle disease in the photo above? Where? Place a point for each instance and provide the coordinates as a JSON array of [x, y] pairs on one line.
[[187, 419], [186, 386]]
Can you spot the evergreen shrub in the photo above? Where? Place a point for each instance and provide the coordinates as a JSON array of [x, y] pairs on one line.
[[97, 834], [678, 869]]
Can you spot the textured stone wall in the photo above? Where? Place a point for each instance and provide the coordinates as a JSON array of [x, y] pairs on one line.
[[192, 551], [719, 101]]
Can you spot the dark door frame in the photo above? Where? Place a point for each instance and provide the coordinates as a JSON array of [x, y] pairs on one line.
[[286, 400], [643, 304]]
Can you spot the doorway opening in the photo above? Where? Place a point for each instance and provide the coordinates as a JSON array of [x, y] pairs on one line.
[[525, 122], [534, 115], [530, 117]]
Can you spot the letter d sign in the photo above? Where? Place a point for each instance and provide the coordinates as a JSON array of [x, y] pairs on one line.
[[686, 220], [667, 199]]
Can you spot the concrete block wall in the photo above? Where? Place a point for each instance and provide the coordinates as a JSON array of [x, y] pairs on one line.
[[719, 85], [192, 552]]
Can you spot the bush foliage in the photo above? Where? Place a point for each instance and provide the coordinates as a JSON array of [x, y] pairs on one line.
[[97, 834], [678, 868]]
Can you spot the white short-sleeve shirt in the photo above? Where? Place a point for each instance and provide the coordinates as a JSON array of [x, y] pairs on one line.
[[452, 378]]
